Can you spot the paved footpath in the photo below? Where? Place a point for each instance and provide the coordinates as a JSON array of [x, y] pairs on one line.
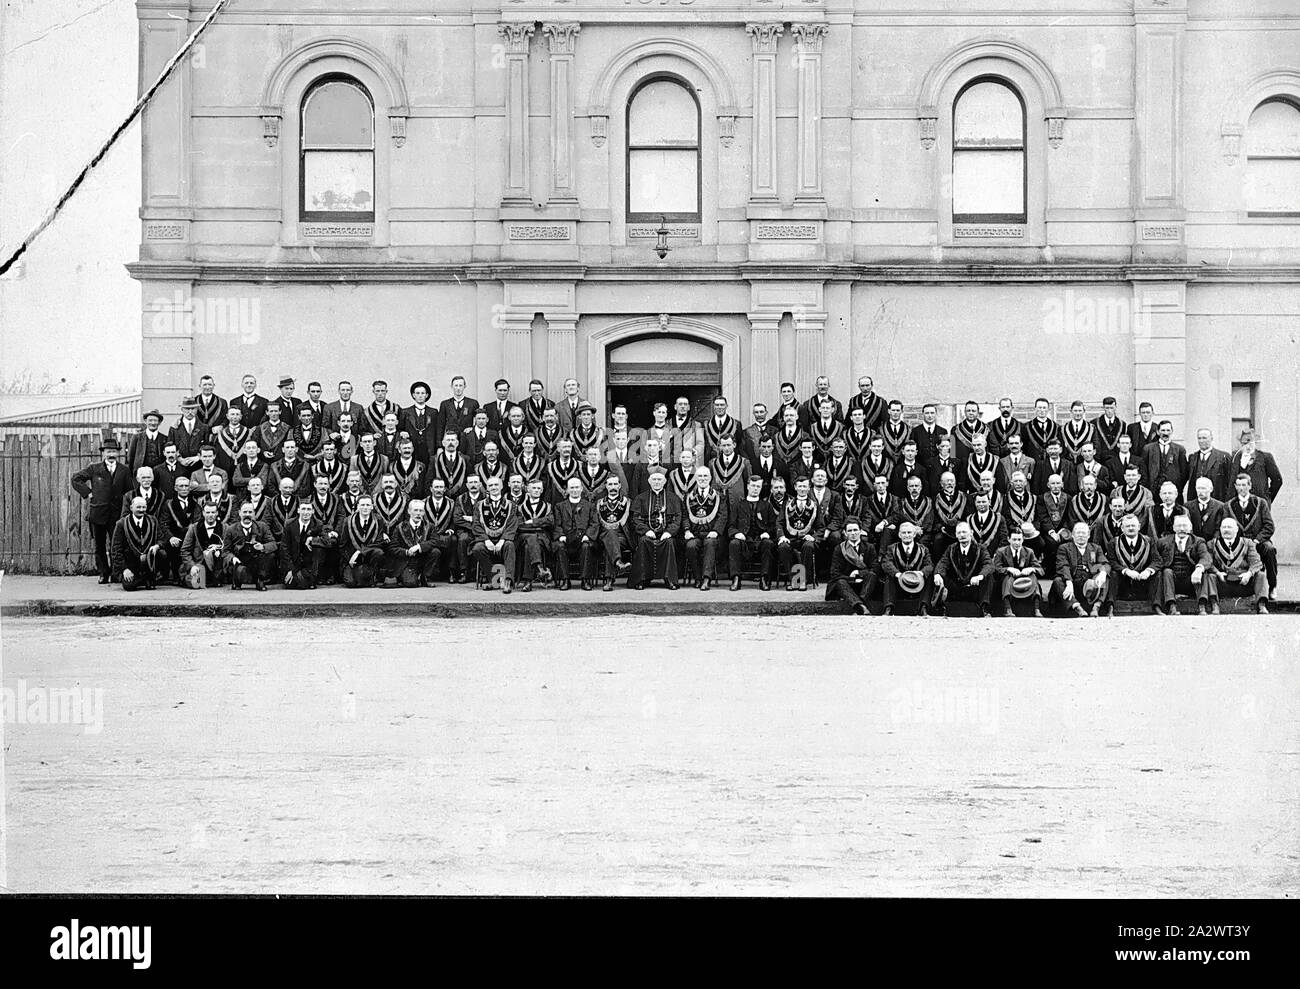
[[789, 755]]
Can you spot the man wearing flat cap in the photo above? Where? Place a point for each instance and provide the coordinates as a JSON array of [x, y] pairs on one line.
[[420, 423], [104, 484]]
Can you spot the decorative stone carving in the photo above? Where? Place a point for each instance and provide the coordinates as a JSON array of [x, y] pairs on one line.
[[1055, 130], [516, 36], [929, 122], [765, 36], [599, 129], [271, 130], [808, 37], [561, 38], [397, 126]]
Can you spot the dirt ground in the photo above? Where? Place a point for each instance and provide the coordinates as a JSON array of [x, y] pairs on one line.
[[822, 755]]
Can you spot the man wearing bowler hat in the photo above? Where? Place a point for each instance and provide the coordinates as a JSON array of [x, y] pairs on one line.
[[105, 484], [289, 405]]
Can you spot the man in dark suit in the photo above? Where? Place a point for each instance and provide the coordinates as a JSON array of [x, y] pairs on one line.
[[767, 465], [755, 431], [289, 405], [573, 534], [1135, 568], [810, 410], [1265, 478], [875, 409], [302, 549], [1185, 568], [201, 562], [476, 437], [191, 431], [249, 549], [853, 569], [137, 548], [210, 408], [252, 406], [1054, 462], [314, 392], [456, 412], [1123, 458], [146, 446], [1166, 460], [1254, 518], [963, 573], [1108, 429], [343, 406], [498, 411], [927, 434], [1204, 510], [1081, 573], [105, 484], [656, 524], [420, 423], [1144, 431], [1206, 461]]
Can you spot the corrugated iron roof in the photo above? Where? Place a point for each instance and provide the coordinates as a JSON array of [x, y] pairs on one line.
[[118, 408]]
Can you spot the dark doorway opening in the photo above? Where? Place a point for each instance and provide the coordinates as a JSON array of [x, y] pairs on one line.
[[640, 400]]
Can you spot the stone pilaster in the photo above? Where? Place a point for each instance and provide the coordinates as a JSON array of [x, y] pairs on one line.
[[763, 161], [1159, 326], [561, 350], [517, 38], [562, 39], [167, 345], [1159, 214], [517, 348], [808, 47], [764, 358]]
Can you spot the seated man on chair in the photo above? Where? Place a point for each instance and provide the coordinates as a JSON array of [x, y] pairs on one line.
[[1238, 569], [853, 569], [1186, 567], [1019, 569], [1081, 573], [1135, 567], [963, 573], [906, 570]]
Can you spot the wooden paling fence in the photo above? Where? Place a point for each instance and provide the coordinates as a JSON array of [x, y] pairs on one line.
[[43, 526]]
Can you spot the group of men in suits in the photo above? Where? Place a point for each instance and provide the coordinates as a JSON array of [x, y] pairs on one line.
[[511, 493]]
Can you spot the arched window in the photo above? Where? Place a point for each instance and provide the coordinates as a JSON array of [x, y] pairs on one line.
[[337, 166], [1273, 159], [988, 154], [663, 152]]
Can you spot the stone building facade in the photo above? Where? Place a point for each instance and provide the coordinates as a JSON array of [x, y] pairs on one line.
[[1070, 198]]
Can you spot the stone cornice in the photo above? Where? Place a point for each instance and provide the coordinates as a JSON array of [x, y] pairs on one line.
[[421, 272]]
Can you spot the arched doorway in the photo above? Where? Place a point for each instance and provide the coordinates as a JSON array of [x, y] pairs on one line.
[[673, 355], [659, 368]]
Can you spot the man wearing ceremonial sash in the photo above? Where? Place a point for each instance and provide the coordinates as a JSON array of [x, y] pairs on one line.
[[363, 543], [730, 471], [308, 435], [875, 464], [289, 467], [136, 546], [390, 503], [370, 463], [144, 488], [1135, 568], [420, 423], [839, 466], [376, 411], [857, 437], [1081, 573], [874, 409], [853, 569], [536, 406], [704, 521], [408, 471], [1186, 567], [895, 432], [1076, 432], [586, 434], [1238, 569], [493, 466], [1012, 564], [1109, 428], [811, 409], [1088, 506], [1040, 430], [440, 511], [347, 444], [495, 528], [831, 512], [852, 500], [536, 520], [449, 467], [593, 474], [256, 499], [284, 508], [511, 439], [209, 408], [564, 467], [718, 426], [229, 440], [752, 529], [1003, 428], [548, 434], [528, 464], [950, 507], [1021, 509], [977, 463], [798, 534], [988, 486], [906, 570], [327, 510], [915, 508], [1054, 503], [249, 549], [788, 440], [941, 463], [330, 467], [965, 432], [302, 550], [177, 515], [988, 526], [824, 428], [613, 516], [681, 479], [963, 573]]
